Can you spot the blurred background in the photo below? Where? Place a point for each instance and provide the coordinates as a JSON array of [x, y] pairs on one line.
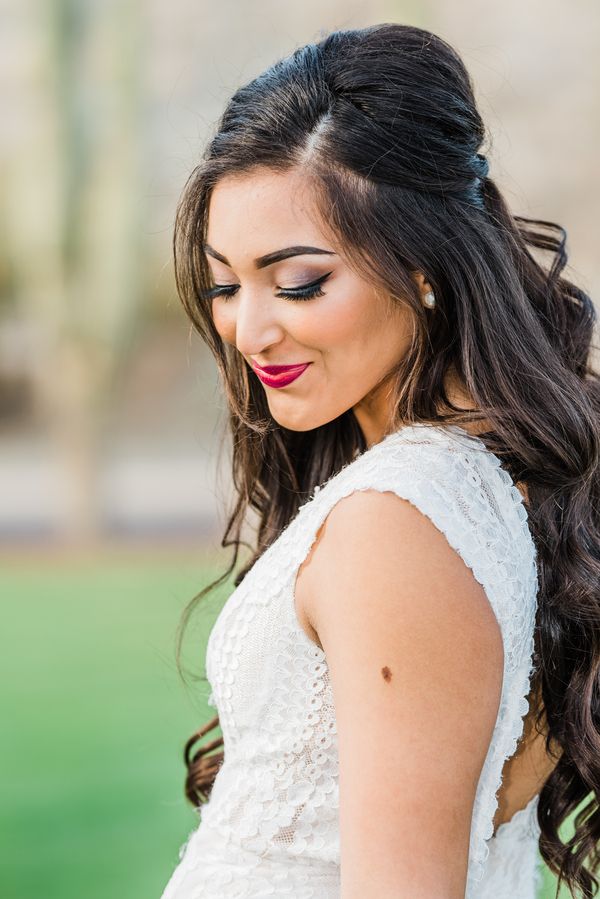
[[113, 475]]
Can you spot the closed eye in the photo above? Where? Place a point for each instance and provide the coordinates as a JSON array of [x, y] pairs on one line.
[[304, 292]]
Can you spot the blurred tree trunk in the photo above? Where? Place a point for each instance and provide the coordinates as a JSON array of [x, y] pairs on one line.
[[73, 201]]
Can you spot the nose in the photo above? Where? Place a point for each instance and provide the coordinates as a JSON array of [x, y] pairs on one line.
[[256, 324]]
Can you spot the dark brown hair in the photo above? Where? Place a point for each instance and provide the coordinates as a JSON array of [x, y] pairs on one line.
[[384, 122]]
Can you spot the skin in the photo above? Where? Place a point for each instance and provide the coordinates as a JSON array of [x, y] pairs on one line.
[[335, 332], [392, 601], [398, 683]]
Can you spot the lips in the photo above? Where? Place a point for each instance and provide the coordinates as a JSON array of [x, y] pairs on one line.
[[277, 369], [279, 375]]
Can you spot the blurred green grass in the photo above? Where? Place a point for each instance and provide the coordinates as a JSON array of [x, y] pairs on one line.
[[92, 801], [92, 797]]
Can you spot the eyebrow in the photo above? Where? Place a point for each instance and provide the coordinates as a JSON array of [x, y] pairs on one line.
[[270, 258]]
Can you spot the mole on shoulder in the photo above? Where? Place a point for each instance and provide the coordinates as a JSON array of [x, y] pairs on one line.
[[386, 673]]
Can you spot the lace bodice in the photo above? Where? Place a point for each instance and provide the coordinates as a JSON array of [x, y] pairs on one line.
[[270, 827]]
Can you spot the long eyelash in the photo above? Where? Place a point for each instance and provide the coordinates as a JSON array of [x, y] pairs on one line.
[[306, 292]]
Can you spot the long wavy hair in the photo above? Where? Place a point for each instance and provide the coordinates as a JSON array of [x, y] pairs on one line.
[[384, 122]]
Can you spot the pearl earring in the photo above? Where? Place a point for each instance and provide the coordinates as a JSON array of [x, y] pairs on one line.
[[429, 299]]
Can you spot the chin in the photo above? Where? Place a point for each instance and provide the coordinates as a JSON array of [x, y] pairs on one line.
[[300, 421], [295, 424]]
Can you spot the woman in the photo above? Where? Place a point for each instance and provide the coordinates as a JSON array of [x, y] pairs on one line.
[[406, 673]]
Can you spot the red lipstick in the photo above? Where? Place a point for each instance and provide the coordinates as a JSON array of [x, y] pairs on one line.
[[279, 375]]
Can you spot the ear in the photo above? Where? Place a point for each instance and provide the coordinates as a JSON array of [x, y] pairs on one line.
[[423, 285]]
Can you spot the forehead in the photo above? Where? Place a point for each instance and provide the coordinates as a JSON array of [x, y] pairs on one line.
[[262, 210]]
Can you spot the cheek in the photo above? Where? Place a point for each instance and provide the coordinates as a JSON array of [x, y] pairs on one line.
[[224, 322], [341, 322]]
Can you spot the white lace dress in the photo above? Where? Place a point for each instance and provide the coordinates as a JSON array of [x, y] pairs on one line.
[[270, 827]]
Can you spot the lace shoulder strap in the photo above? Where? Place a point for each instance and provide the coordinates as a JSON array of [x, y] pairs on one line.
[[452, 478]]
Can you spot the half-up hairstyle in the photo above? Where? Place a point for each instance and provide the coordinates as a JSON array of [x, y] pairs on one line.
[[384, 122]]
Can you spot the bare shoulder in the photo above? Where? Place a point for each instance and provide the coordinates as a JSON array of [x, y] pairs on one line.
[[385, 539], [415, 658]]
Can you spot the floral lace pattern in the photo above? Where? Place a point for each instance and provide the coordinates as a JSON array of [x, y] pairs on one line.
[[271, 825], [514, 866]]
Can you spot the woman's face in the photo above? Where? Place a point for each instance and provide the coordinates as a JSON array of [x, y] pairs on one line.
[[348, 335]]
